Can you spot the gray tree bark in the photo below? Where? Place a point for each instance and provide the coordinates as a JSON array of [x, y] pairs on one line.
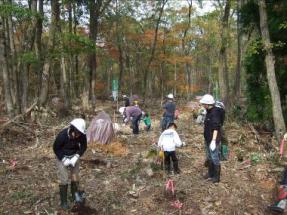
[[48, 60], [271, 77], [223, 68], [4, 66]]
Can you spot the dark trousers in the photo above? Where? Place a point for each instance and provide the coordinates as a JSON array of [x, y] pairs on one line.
[[165, 121], [135, 124], [171, 156]]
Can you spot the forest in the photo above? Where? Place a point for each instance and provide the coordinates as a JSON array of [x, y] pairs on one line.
[[61, 60]]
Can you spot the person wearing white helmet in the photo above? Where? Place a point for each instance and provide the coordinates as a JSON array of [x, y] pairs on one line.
[[169, 111], [69, 146], [212, 136]]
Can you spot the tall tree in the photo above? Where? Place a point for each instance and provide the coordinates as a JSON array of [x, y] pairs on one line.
[[223, 67], [185, 50], [96, 10], [271, 77], [4, 66], [153, 48], [55, 18]]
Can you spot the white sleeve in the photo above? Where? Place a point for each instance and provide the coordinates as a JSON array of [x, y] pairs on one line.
[[177, 140]]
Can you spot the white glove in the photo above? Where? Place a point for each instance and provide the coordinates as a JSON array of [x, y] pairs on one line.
[[66, 161], [125, 120], [285, 136], [212, 145], [74, 160]]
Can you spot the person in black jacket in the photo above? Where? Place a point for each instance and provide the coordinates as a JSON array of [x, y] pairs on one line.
[[69, 146], [212, 137]]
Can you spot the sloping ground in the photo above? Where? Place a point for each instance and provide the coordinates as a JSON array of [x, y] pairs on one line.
[[126, 179]]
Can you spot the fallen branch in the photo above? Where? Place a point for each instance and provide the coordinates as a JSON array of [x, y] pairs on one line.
[[18, 116]]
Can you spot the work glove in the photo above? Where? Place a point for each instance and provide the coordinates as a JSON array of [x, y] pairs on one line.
[[74, 159], [212, 145], [66, 161], [285, 136]]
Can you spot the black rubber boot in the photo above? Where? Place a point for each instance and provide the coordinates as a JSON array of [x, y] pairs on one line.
[[279, 206], [176, 168], [63, 196], [216, 176], [210, 172], [74, 188]]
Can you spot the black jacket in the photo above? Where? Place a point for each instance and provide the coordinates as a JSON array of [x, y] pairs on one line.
[[64, 146], [213, 121], [169, 109]]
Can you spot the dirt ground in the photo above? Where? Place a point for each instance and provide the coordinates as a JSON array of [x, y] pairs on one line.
[[126, 178]]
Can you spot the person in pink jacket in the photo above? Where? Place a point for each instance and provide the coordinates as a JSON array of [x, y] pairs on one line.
[[168, 141]]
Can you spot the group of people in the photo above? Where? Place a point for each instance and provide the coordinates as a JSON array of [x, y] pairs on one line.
[[71, 144]]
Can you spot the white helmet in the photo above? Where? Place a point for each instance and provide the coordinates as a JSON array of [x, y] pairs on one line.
[[207, 99], [79, 124], [170, 96]]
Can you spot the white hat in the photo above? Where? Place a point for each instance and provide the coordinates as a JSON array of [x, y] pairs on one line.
[[79, 124], [207, 99], [170, 96]]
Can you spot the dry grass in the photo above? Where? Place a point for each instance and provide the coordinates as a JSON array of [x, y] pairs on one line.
[[115, 148]]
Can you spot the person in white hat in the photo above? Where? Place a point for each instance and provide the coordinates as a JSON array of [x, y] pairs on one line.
[[69, 146], [169, 110], [212, 137]]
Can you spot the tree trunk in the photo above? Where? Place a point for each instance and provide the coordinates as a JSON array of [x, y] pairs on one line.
[[75, 75], [38, 41], [4, 66], [15, 91], [223, 68], [27, 46], [94, 16], [146, 70], [64, 83], [270, 67], [184, 51], [48, 61], [237, 87]]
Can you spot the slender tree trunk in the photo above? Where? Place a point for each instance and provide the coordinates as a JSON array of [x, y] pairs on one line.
[[27, 46], [94, 16], [153, 47], [223, 68], [75, 59], [4, 67], [38, 41], [64, 83], [16, 98], [71, 64], [184, 51], [46, 68], [175, 80], [271, 77], [96, 9], [121, 64], [239, 51]]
